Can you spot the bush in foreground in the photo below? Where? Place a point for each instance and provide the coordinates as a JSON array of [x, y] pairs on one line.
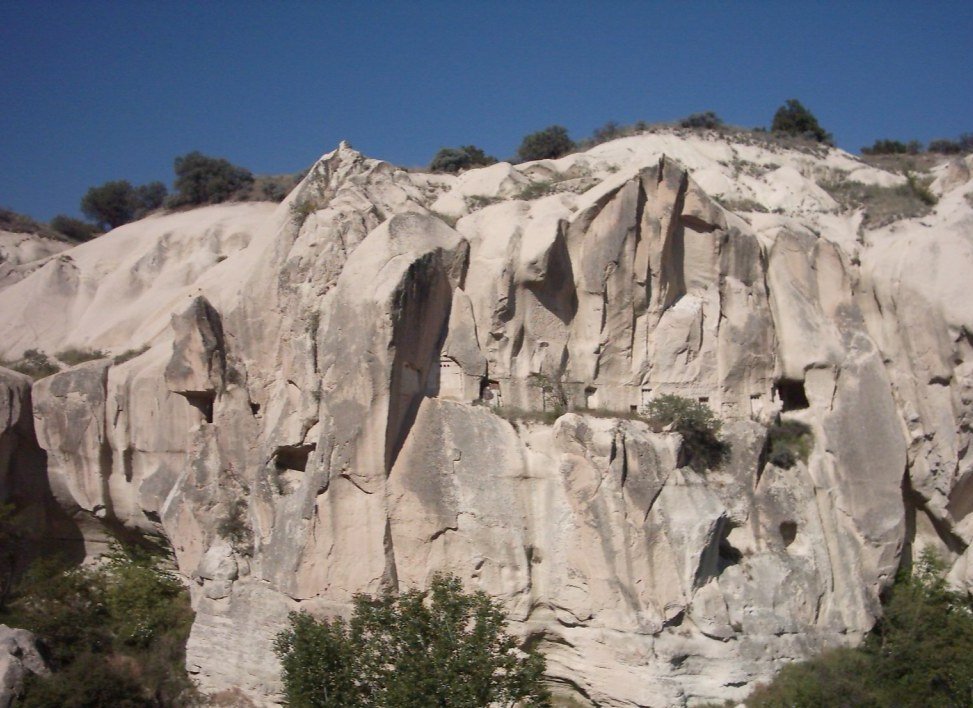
[[113, 635], [548, 144], [920, 654], [443, 647]]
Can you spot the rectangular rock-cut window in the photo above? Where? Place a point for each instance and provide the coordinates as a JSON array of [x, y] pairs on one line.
[[646, 397], [591, 397], [450, 379]]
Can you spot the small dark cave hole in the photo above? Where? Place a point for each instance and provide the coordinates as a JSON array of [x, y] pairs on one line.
[[792, 395], [203, 402], [254, 408], [292, 457], [788, 532], [727, 555]]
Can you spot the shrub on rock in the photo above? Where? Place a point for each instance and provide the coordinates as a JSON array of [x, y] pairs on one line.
[[794, 119], [548, 144], [207, 180], [462, 158]]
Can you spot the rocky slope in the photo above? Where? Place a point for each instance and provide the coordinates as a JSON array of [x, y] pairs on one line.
[[317, 411]]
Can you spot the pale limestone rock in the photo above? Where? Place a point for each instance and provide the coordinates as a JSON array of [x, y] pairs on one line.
[[314, 416]]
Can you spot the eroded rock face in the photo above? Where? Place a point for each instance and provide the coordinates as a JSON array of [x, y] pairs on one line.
[[325, 425], [19, 657]]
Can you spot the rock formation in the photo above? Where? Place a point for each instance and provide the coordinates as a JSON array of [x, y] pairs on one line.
[[319, 409]]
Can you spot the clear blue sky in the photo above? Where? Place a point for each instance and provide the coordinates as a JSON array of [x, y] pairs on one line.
[[94, 91]]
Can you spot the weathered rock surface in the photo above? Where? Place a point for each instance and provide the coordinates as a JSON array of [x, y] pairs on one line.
[[19, 657], [316, 414]]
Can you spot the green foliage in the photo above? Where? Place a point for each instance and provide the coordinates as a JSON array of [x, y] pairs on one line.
[[234, 528], [21, 223], [547, 144], [461, 158], [34, 363], [920, 654], [75, 356], [149, 197], [117, 202], [478, 201], [418, 649], [963, 144], [893, 147], [207, 180], [114, 634], [920, 188], [11, 537], [788, 442], [707, 121], [609, 131], [794, 119], [696, 423], [111, 204], [130, 354], [301, 209], [74, 229], [535, 190], [882, 205]]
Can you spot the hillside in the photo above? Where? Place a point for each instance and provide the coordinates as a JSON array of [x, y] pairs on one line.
[[346, 392]]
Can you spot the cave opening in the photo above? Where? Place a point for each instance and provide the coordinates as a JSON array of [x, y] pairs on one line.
[[792, 395], [203, 402], [293, 457]]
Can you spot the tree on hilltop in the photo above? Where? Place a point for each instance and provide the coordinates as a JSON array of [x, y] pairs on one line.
[[462, 158], [201, 179], [548, 144], [794, 119]]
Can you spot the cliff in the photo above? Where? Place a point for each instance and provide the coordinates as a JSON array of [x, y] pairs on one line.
[[318, 409]]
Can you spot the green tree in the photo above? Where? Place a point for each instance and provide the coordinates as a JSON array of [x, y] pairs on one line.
[[149, 197], [111, 204], [708, 120], [919, 654], [794, 119], [696, 423], [207, 180], [417, 649], [74, 229], [547, 144], [461, 158]]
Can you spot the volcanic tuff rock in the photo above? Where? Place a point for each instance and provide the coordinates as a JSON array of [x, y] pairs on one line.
[[317, 412], [19, 657]]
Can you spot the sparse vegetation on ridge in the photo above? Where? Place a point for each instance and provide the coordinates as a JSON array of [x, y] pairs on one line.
[[74, 356], [33, 363], [883, 205]]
